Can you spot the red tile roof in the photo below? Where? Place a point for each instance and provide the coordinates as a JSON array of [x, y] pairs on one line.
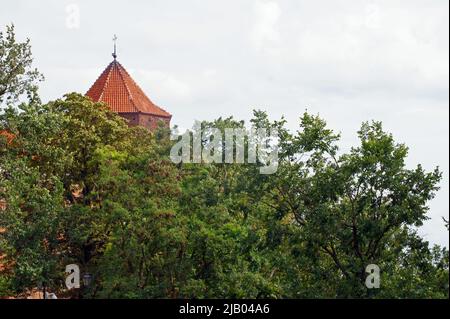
[[116, 88], [9, 137]]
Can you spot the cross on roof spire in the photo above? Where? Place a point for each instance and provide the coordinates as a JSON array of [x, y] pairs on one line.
[[115, 43]]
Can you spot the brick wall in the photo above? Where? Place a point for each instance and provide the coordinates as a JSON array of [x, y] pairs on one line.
[[145, 120]]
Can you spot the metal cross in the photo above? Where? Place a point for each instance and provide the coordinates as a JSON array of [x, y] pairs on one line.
[[115, 42]]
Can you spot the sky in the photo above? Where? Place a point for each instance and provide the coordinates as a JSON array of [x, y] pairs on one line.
[[348, 60]]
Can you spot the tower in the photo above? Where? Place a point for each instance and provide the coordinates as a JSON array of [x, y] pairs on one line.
[[122, 94]]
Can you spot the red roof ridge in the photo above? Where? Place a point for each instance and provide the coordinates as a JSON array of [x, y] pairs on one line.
[[125, 83], [107, 80]]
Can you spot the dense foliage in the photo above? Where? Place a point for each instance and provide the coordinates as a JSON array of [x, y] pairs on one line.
[[79, 186], [17, 77]]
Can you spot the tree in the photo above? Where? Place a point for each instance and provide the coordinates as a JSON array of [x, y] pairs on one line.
[[354, 209], [42, 171], [30, 219], [17, 78]]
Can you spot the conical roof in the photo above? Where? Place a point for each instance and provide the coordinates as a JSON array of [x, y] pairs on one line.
[[121, 93]]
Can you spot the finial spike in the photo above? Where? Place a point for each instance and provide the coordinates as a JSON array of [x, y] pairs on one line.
[[115, 43]]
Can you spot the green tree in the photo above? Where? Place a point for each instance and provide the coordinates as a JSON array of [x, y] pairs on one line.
[[17, 77], [353, 209], [30, 242]]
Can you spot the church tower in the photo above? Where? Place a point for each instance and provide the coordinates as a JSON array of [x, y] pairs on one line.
[[120, 92]]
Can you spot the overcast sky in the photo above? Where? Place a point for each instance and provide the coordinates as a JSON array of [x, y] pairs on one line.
[[348, 60]]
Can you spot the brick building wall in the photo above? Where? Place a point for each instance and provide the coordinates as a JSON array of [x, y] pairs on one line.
[[148, 121]]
